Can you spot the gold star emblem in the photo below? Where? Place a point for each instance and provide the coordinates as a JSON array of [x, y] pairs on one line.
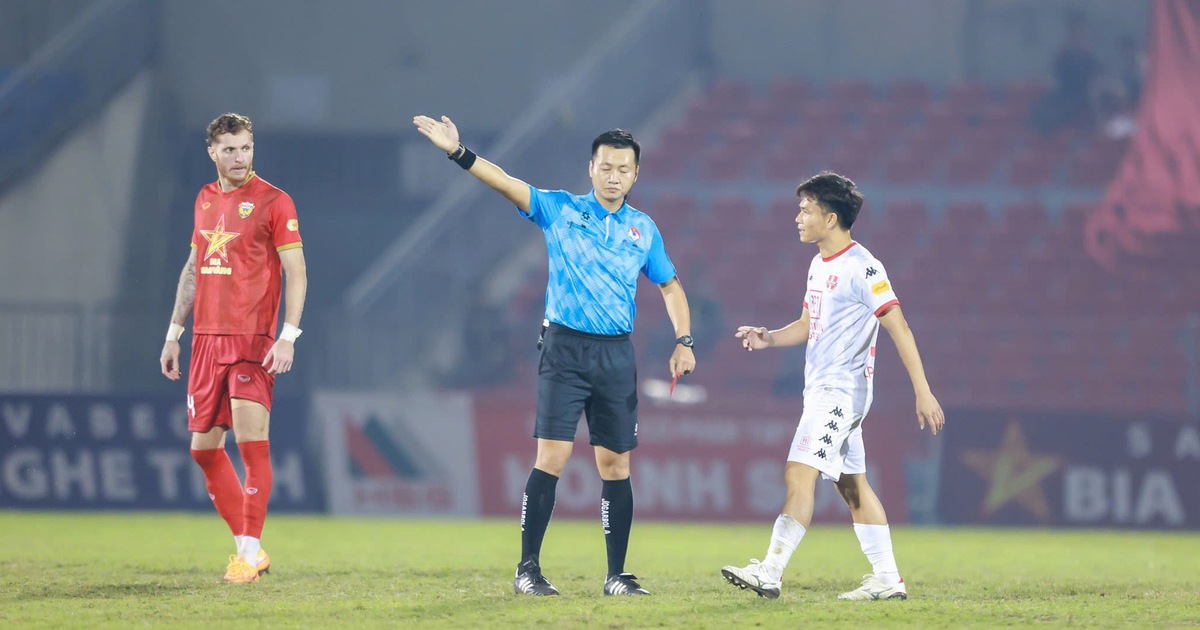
[[1013, 473], [218, 239]]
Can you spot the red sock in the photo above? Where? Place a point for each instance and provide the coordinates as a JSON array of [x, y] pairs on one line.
[[256, 456], [223, 486]]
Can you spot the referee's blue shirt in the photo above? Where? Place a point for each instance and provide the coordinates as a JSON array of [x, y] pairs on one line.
[[595, 256]]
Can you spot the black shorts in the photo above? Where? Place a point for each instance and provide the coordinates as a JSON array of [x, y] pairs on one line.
[[596, 375]]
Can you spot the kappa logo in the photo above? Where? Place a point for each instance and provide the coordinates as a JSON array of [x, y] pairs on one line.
[[827, 440], [837, 411], [251, 490], [634, 234], [822, 454], [245, 208], [244, 378], [831, 283], [833, 425], [871, 271], [205, 205]]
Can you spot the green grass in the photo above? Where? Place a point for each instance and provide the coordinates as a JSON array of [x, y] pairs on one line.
[[125, 569]]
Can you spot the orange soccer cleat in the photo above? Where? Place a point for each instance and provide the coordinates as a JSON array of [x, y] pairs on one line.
[[264, 562], [239, 571]]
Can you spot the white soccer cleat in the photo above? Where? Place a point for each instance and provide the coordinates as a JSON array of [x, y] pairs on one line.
[[754, 577], [872, 588]]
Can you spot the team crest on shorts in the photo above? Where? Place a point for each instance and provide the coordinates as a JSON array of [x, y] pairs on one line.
[[245, 208], [634, 234]]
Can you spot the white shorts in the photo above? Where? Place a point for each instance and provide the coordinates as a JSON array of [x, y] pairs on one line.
[[829, 437]]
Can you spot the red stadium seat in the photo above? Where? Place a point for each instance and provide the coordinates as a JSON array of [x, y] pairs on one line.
[[911, 95], [851, 93]]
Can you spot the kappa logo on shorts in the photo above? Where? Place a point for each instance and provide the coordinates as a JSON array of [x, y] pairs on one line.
[[821, 454], [837, 411], [212, 497], [244, 378], [833, 425], [826, 439], [251, 490]]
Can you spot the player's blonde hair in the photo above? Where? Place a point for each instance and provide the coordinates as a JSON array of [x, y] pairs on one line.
[[228, 123]]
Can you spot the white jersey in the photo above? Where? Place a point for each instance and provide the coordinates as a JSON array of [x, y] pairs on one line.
[[846, 294]]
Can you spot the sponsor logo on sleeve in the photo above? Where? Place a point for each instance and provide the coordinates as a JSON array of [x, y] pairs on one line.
[[880, 287]]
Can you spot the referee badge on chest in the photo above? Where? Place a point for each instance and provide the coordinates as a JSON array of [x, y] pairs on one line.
[[245, 208], [634, 234]]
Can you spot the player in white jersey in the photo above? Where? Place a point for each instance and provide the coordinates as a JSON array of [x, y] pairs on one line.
[[848, 297]]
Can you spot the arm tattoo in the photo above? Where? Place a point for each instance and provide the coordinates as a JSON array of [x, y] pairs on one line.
[[185, 295]]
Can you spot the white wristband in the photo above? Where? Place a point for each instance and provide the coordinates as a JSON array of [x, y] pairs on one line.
[[289, 332], [174, 332]]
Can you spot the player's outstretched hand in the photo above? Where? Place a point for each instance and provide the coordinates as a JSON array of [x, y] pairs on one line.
[[279, 359], [443, 134], [170, 360], [930, 412], [754, 337]]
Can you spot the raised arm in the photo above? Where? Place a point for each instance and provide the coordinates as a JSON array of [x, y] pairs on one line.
[[444, 135], [758, 337], [928, 409], [683, 360], [185, 298]]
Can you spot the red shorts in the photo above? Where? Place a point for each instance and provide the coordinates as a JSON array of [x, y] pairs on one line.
[[225, 367]]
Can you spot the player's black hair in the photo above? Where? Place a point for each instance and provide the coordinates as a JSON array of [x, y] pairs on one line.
[[835, 194], [618, 139], [228, 123]]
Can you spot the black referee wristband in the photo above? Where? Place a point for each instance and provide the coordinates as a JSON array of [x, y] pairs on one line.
[[463, 157]]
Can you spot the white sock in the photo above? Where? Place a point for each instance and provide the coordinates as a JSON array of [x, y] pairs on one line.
[[249, 549], [876, 542], [237, 544], [785, 537]]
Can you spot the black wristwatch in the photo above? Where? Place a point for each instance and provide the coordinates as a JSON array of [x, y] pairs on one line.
[[685, 341]]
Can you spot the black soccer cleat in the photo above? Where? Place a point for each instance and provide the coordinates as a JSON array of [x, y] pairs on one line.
[[530, 581], [624, 584]]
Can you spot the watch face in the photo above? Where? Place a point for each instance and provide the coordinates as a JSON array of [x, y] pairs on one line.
[[685, 340]]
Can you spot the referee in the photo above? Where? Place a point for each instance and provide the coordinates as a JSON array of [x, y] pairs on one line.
[[597, 245]]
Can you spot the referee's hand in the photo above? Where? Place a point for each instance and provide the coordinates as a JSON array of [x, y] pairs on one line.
[[443, 134], [683, 361]]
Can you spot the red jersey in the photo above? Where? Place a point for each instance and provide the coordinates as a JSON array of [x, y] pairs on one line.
[[238, 237]]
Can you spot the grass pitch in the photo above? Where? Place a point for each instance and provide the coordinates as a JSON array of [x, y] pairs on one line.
[[120, 569]]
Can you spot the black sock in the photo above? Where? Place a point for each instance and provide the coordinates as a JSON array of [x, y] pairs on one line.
[[616, 517], [536, 507]]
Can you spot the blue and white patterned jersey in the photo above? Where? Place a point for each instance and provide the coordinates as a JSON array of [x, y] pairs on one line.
[[595, 257]]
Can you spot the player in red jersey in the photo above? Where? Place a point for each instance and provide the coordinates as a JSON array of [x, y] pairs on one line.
[[246, 234]]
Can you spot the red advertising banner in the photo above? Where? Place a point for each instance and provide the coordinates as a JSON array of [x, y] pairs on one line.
[[704, 462]]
